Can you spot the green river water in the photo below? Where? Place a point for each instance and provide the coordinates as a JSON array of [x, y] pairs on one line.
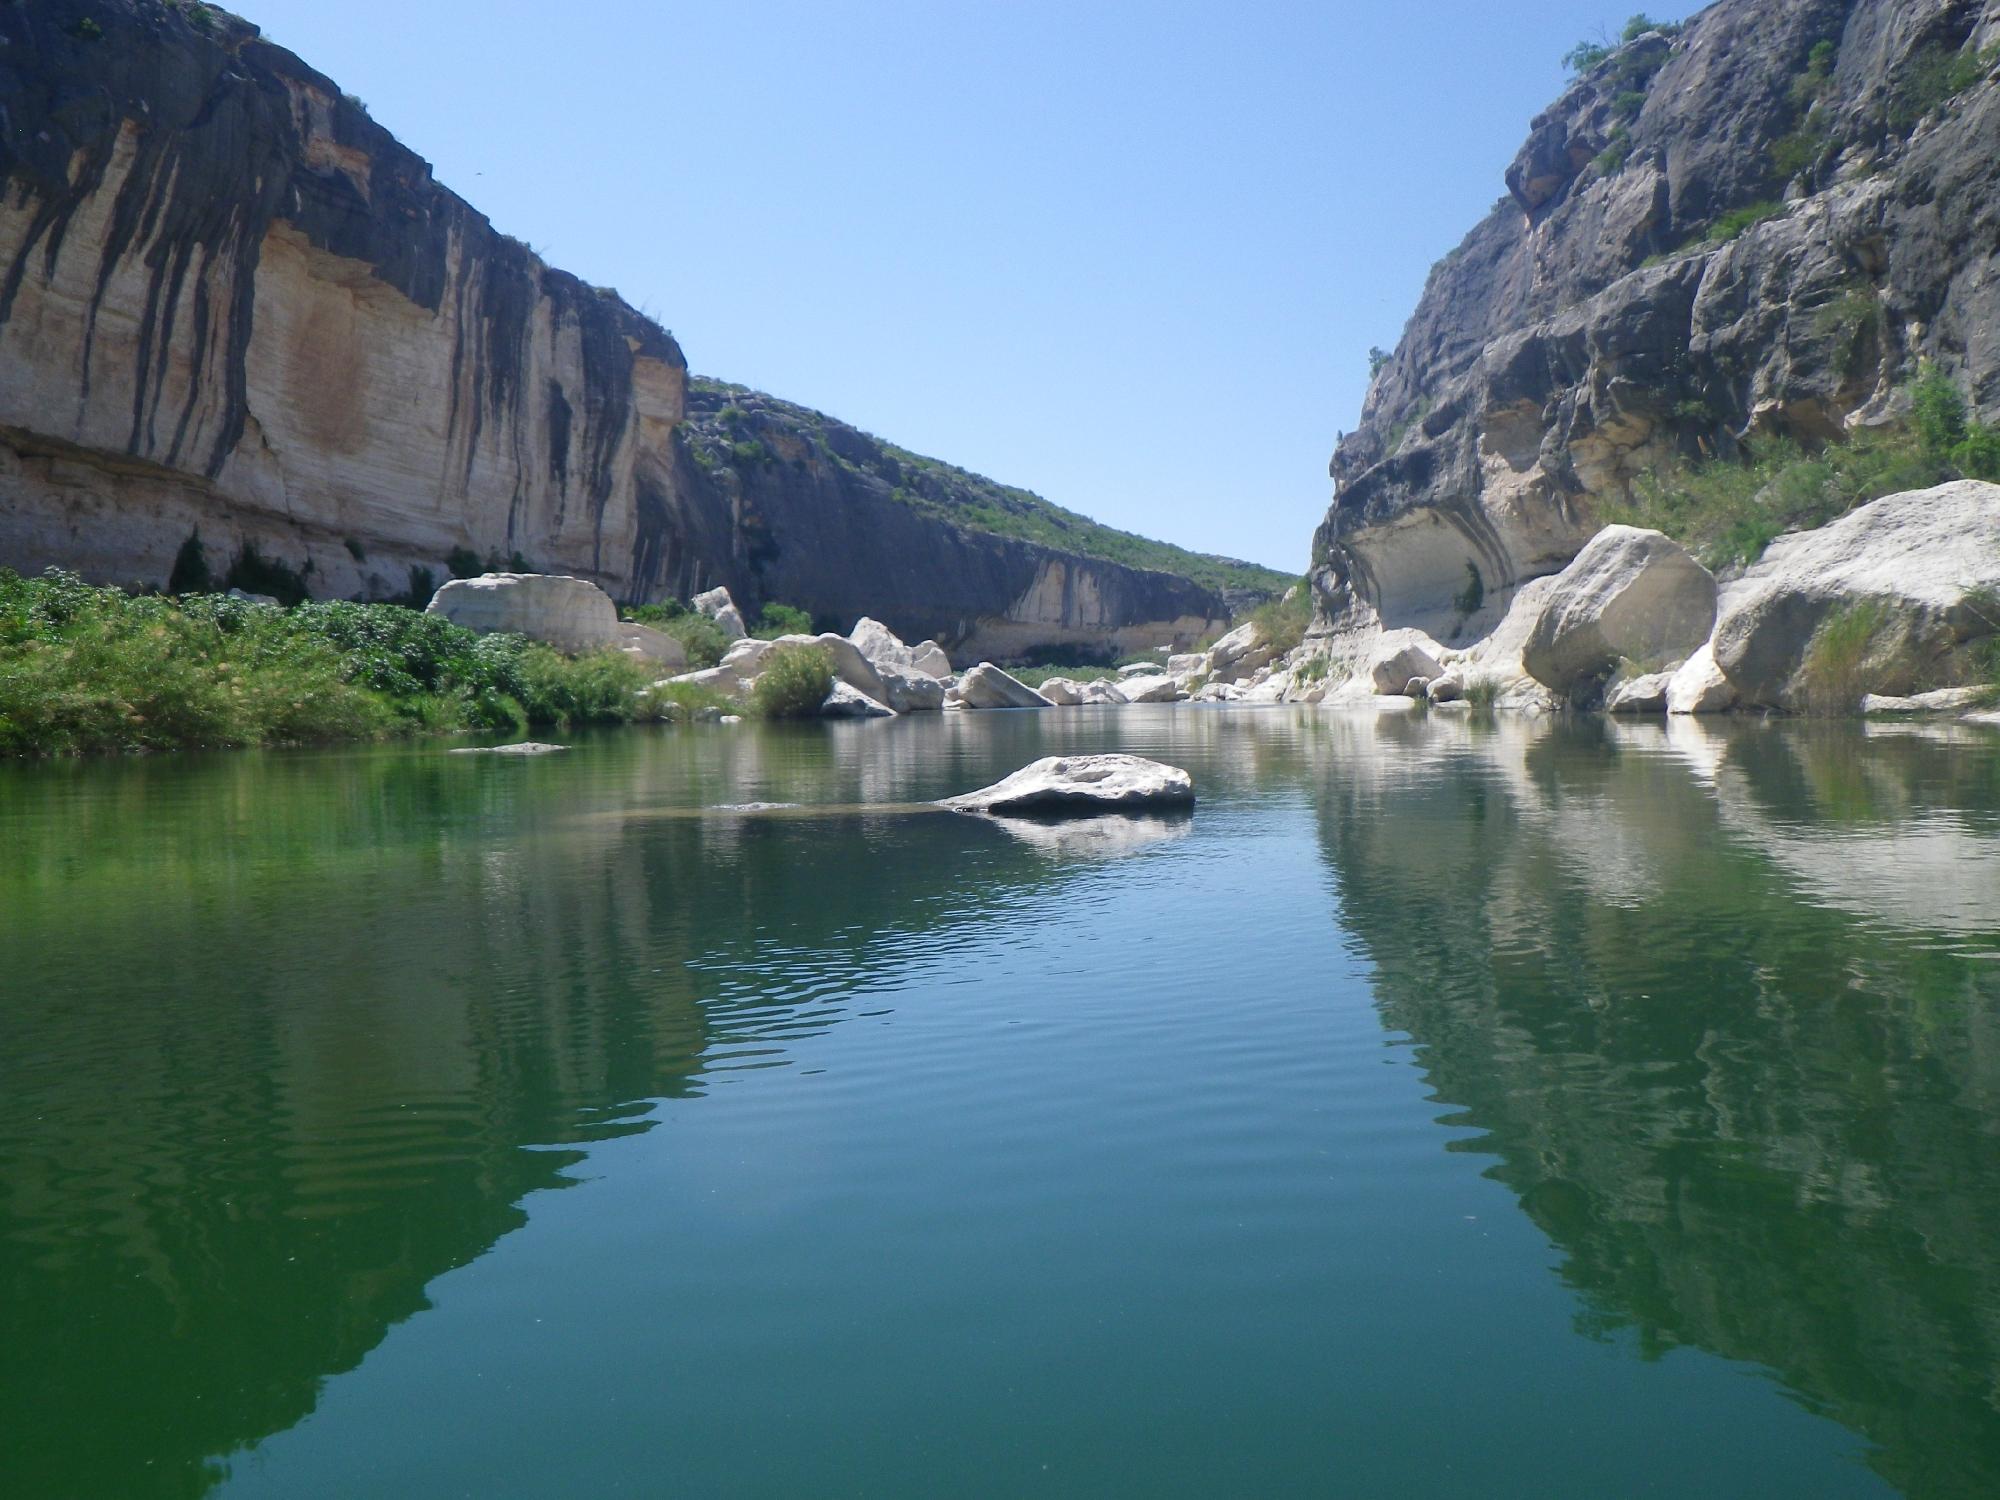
[[1444, 1109]]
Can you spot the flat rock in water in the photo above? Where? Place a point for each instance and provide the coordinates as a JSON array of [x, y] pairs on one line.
[[1080, 785], [525, 747]]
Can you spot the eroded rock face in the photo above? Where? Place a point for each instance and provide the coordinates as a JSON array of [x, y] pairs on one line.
[[1630, 596], [1914, 564], [571, 614], [1067, 786], [1592, 327]]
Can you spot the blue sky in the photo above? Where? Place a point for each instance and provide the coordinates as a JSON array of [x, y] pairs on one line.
[[1130, 256]]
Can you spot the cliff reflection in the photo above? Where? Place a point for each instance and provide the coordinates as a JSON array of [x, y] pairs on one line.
[[1724, 1006], [285, 1038]]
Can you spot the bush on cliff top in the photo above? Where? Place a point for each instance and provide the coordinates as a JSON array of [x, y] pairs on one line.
[[91, 669]]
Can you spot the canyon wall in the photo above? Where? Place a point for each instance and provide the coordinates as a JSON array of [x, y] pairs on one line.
[[1758, 224], [233, 304]]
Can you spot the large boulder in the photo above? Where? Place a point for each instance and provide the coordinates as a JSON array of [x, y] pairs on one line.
[[1062, 692], [910, 691], [1083, 784], [1240, 653], [1909, 577], [1398, 657], [571, 614], [986, 686], [719, 607], [847, 702], [1630, 595], [885, 652], [1103, 693], [1150, 688]]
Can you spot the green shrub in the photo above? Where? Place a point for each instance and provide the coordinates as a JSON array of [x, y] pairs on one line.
[[782, 619], [1585, 55], [794, 683], [1938, 412], [1312, 669], [464, 563], [1641, 23], [1934, 76], [1482, 690], [1977, 455], [683, 700], [1283, 621], [1035, 676]]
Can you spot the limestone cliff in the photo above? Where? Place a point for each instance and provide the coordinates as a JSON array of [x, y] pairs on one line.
[[233, 302], [1758, 223], [780, 502]]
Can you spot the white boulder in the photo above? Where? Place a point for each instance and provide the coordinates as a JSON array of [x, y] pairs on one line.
[[652, 646], [1150, 688], [1240, 653], [1630, 595], [1698, 686], [884, 651], [1924, 563], [847, 702], [1398, 656], [719, 607], [986, 686], [1083, 784], [571, 614], [910, 691], [1063, 692], [1103, 693]]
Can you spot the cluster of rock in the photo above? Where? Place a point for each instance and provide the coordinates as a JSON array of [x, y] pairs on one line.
[[1889, 609]]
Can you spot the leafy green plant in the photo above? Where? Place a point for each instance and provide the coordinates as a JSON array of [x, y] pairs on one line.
[[1611, 160], [782, 619], [794, 683], [464, 563]]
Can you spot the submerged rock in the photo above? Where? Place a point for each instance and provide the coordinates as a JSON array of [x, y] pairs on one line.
[[525, 747], [1075, 785]]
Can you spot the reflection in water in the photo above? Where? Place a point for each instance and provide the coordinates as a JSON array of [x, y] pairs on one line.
[[284, 1039], [1706, 996]]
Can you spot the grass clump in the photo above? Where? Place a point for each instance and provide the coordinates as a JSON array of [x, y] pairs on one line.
[[793, 684], [1836, 671], [1934, 76], [1482, 690], [1733, 224], [86, 669]]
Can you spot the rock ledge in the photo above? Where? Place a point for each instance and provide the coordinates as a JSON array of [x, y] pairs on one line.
[[1079, 785]]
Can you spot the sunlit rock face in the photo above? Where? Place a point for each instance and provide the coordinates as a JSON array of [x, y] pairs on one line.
[[230, 302], [1607, 316]]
